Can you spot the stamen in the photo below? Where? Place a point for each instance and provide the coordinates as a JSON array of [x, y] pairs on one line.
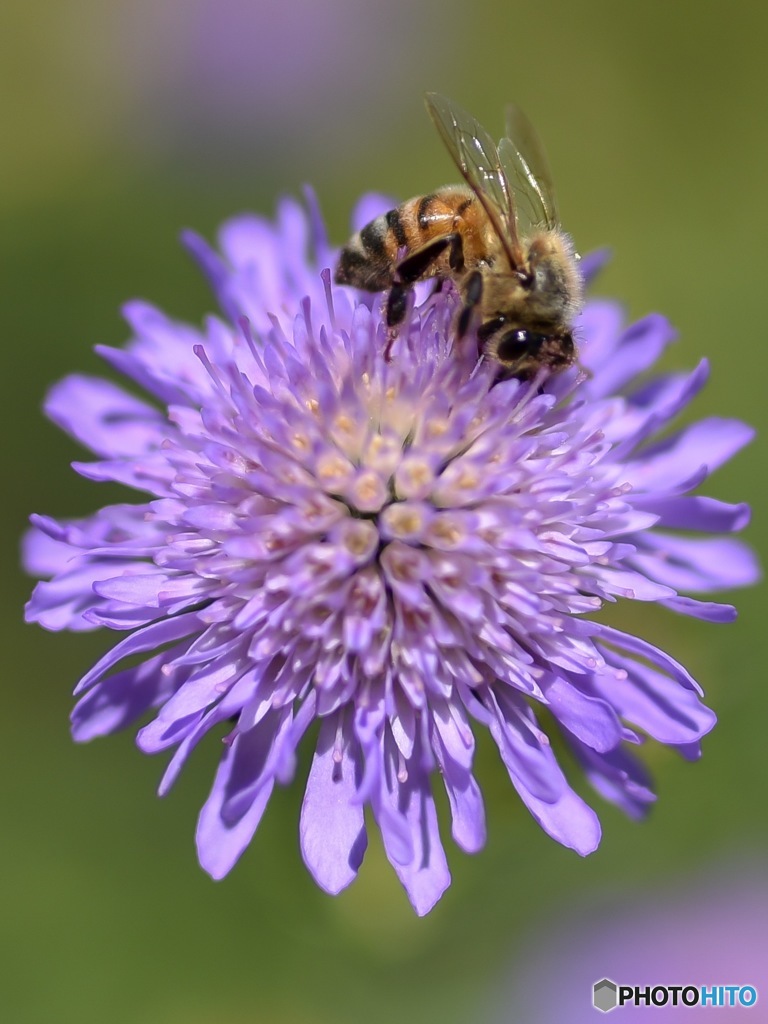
[[245, 329], [326, 279], [306, 309], [338, 743], [213, 373]]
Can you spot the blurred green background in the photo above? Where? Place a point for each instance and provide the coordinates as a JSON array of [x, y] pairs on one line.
[[122, 124]]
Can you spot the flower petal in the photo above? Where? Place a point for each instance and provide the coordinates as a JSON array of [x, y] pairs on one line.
[[332, 828], [634, 644], [43, 554], [639, 346], [227, 708], [669, 712], [524, 748], [697, 564], [695, 512], [220, 843], [710, 611], [258, 755], [105, 418], [568, 819], [591, 720], [599, 325], [425, 877], [121, 699], [710, 443], [146, 639], [619, 778], [466, 803]]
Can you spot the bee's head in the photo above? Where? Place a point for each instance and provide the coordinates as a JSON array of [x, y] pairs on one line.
[[522, 353], [550, 276]]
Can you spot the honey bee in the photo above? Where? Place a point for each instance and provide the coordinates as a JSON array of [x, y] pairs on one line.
[[497, 237]]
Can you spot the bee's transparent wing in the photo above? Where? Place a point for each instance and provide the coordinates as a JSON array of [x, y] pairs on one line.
[[526, 168], [475, 154]]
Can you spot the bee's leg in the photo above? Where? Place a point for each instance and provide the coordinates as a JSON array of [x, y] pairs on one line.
[[397, 303], [455, 261], [417, 266], [456, 253], [473, 293]]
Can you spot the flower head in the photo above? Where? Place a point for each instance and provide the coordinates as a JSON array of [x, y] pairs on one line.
[[400, 550]]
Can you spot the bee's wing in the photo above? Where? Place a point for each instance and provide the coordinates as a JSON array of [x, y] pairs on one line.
[[526, 167], [475, 154]]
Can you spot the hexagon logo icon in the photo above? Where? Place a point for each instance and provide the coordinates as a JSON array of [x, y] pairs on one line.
[[605, 995]]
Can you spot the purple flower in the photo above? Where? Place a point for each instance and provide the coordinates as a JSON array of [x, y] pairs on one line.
[[397, 551]]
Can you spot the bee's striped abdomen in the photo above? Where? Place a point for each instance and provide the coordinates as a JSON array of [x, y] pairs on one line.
[[369, 257]]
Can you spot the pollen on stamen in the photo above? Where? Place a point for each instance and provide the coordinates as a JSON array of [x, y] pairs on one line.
[[300, 442], [436, 429], [403, 520], [333, 469], [359, 538], [414, 477], [367, 492], [443, 528], [382, 454], [405, 566]]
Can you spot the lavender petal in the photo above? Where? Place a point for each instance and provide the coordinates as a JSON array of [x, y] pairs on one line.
[[332, 829]]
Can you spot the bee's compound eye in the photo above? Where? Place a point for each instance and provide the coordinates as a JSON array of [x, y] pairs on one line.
[[513, 346], [490, 327]]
